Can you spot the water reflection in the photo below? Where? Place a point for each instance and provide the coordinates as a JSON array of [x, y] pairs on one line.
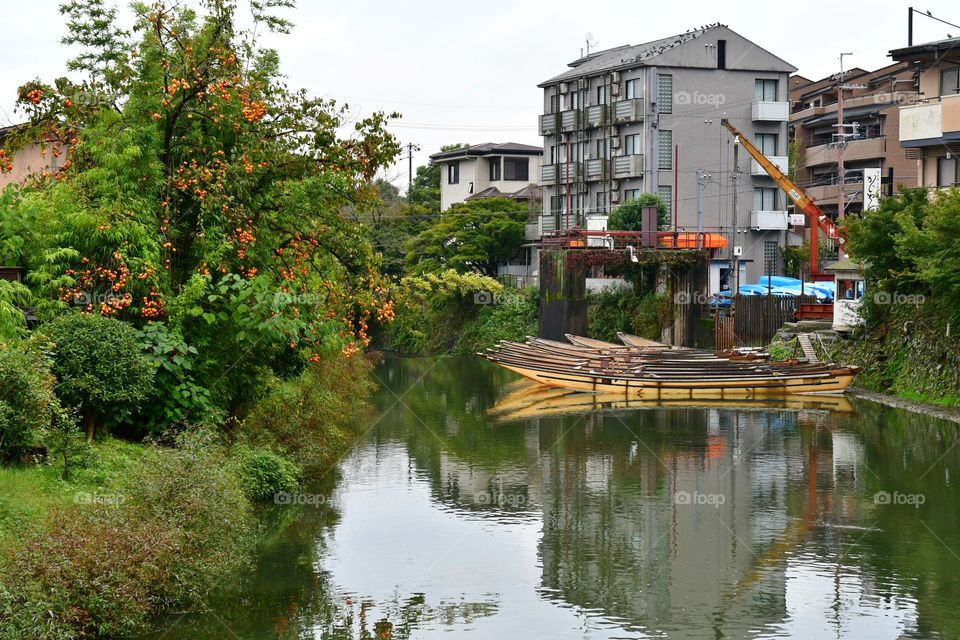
[[477, 505]]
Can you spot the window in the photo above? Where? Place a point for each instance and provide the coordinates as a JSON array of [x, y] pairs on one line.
[[764, 199], [629, 195], [558, 153], [767, 90], [721, 54], [602, 94], [554, 104], [950, 81], [602, 148], [576, 100], [494, 169], [767, 143], [602, 202], [453, 173], [556, 204], [946, 172], [634, 89], [631, 144], [516, 169], [666, 193], [664, 93], [849, 289], [665, 149], [771, 256]]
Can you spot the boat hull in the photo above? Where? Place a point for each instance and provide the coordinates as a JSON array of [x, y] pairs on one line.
[[651, 389]]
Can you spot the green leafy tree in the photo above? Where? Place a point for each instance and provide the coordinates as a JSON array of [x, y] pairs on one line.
[[27, 400], [99, 366], [629, 215], [476, 235], [425, 190], [196, 187]]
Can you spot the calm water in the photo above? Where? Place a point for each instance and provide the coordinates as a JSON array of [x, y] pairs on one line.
[[478, 506]]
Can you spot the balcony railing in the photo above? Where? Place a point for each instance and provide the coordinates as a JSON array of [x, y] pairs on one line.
[[628, 110], [860, 149], [770, 111], [596, 169], [769, 220], [597, 115], [930, 123], [560, 173], [628, 166], [782, 162]]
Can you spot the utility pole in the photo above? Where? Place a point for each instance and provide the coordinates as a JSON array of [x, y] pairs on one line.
[[841, 132], [410, 149], [702, 177], [734, 178]]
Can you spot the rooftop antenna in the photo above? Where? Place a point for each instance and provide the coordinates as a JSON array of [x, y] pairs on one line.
[[590, 43]]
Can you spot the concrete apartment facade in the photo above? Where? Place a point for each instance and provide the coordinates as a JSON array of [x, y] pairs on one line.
[[872, 106], [488, 170], [931, 127], [646, 118]]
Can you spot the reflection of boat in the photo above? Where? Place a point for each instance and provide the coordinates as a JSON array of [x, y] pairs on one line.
[[652, 372], [532, 400]]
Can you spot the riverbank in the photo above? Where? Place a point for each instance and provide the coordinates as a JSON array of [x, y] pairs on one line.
[[924, 408], [137, 530]]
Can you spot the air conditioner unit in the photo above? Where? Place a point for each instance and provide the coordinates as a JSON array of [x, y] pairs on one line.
[[615, 76], [615, 143], [564, 87], [615, 89], [614, 196], [614, 185]]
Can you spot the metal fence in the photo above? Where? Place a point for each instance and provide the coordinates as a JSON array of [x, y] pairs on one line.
[[754, 320]]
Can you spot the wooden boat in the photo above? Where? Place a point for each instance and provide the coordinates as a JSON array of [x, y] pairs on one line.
[[657, 374]]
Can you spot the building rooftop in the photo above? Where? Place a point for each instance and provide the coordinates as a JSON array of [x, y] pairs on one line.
[[937, 47], [488, 149], [629, 56]]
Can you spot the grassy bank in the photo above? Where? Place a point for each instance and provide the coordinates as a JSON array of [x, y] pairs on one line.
[[137, 530], [908, 354]]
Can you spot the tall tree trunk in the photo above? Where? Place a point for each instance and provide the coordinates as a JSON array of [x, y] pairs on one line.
[[90, 422]]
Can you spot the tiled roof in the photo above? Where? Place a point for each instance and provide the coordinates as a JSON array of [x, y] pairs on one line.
[[489, 149]]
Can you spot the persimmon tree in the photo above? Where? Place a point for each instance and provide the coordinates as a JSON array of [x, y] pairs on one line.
[[191, 186]]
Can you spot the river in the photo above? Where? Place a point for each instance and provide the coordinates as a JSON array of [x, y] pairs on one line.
[[475, 505]]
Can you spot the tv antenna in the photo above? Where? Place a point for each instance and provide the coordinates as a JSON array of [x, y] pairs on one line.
[[591, 42]]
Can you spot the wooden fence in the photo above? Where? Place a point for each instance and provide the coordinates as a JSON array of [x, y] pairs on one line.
[[754, 321]]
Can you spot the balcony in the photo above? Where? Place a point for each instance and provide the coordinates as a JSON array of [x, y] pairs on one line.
[[825, 194], [596, 169], [932, 123], [768, 220], [597, 115], [532, 231], [560, 173], [866, 149], [782, 162], [628, 110], [764, 110], [628, 166]]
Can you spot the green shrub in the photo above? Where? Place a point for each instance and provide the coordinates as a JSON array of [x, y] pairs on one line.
[[178, 526], [311, 418], [99, 366], [27, 400], [265, 473], [514, 317], [620, 309], [629, 215]]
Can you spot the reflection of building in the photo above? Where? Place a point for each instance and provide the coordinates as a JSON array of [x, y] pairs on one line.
[[669, 539], [931, 128]]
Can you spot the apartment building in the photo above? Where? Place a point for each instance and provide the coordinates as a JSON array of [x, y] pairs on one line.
[[871, 107], [931, 127], [488, 170], [646, 118]]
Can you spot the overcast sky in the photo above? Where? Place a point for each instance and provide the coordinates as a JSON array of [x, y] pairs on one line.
[[465, 72]]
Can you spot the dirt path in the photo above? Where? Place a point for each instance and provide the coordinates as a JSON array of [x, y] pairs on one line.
[[935, 410]]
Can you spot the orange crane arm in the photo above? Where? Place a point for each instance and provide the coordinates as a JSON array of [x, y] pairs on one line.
[[800, 198]]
